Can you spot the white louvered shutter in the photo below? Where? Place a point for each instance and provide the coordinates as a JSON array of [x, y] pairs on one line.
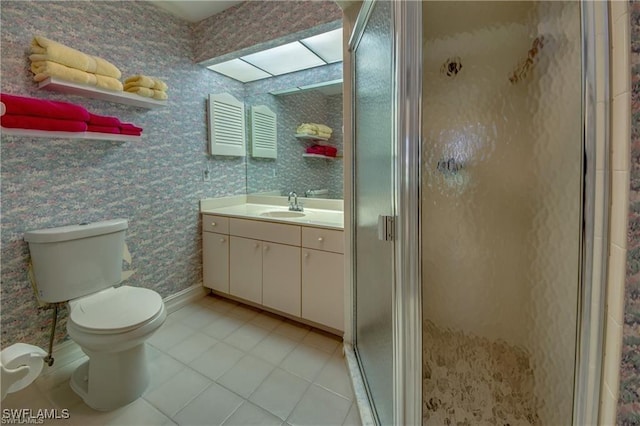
[[226, 125], [264, 134]]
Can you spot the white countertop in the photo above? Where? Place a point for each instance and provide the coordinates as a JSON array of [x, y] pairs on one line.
[[312, 217]]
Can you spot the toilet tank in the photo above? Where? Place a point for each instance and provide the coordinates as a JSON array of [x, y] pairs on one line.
[[73, 261]]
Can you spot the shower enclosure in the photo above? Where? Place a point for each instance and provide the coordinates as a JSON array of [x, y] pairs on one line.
[[475, 300]]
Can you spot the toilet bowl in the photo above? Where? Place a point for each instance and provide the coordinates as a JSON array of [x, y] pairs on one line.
[[111, 327], [82, 265]]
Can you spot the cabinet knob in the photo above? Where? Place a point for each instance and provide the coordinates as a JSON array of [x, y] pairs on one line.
[[306, 254], [320, 239], [222, 240], [266, 247], [256, 245], [213, 224]]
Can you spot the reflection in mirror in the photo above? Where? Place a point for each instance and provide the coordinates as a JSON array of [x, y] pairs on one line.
[[294, 170]]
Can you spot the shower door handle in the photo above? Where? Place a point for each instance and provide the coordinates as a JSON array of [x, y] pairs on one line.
[[386, 226]]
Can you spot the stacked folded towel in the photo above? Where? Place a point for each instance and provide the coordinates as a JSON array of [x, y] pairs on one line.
[[40, 114], [315, 129], [52, 59], [146, 86], [327, 151]]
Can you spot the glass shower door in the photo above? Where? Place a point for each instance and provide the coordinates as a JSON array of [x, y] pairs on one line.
[[373, 199]]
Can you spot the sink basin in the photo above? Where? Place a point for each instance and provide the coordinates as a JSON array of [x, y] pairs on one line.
[[282, 213]]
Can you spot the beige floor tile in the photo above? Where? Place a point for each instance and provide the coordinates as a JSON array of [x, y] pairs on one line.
[[305, 361], [178, 391], [279, 393], [244, 377], [249, 414], [319, 407], [212, 407], [216, 361]]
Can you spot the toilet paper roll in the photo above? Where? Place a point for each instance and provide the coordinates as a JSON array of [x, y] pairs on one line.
[[21, 355]]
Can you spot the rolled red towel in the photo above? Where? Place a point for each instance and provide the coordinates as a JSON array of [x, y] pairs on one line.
[[42, 123], [103, 129], [130, 128], [330, 151], [21, 105], [316, 149], [103, 120]]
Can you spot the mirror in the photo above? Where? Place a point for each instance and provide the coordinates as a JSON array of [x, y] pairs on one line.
[[314, 176], [298, 92]]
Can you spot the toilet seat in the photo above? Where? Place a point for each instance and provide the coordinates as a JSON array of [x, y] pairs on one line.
[[115, 310]]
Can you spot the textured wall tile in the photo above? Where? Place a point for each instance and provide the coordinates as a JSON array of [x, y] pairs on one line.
[[255, 22], [629, 398], [155, 183]]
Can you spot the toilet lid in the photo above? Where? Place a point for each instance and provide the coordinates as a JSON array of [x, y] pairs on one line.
[[115, 309]]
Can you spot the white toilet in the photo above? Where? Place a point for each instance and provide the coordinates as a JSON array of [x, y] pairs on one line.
[[82, 264]]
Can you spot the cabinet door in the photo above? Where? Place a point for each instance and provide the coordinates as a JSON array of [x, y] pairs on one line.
[[323, 287], [281, 277], [245, 268], [215, 261]]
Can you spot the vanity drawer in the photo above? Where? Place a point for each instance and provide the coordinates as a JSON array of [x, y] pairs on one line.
[[265, 231], [323, 239], [212, 223]]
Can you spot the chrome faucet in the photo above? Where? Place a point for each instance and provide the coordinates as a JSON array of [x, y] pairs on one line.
[[294, 206]]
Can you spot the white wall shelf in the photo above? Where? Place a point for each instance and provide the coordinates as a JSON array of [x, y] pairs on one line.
[[326, 157], [61, 86], [304, 136], [69, 135]]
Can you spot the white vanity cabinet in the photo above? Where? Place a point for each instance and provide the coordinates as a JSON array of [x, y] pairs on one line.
[[215, 265], [245, 269], [323, 276], [215, 252], [287, 268], [265, 263], [281, 278]]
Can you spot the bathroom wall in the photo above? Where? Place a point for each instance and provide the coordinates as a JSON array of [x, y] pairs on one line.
[[155, 183], [256, 24], [290, 171], [629, 399]]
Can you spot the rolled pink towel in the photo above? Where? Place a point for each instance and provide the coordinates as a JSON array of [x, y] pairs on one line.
[[21, 105], [103, 120], [42, 123]]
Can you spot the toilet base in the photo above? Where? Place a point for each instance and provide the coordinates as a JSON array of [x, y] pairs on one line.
[[111, 380]]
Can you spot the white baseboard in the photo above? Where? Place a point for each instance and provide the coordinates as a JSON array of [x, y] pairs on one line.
[[190, 294]]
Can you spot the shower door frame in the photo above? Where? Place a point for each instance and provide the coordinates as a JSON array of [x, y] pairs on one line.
[[407, 327]]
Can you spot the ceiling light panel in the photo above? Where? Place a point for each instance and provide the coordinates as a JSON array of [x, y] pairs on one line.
[[239, 70], [326, 45], [284, 59]]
